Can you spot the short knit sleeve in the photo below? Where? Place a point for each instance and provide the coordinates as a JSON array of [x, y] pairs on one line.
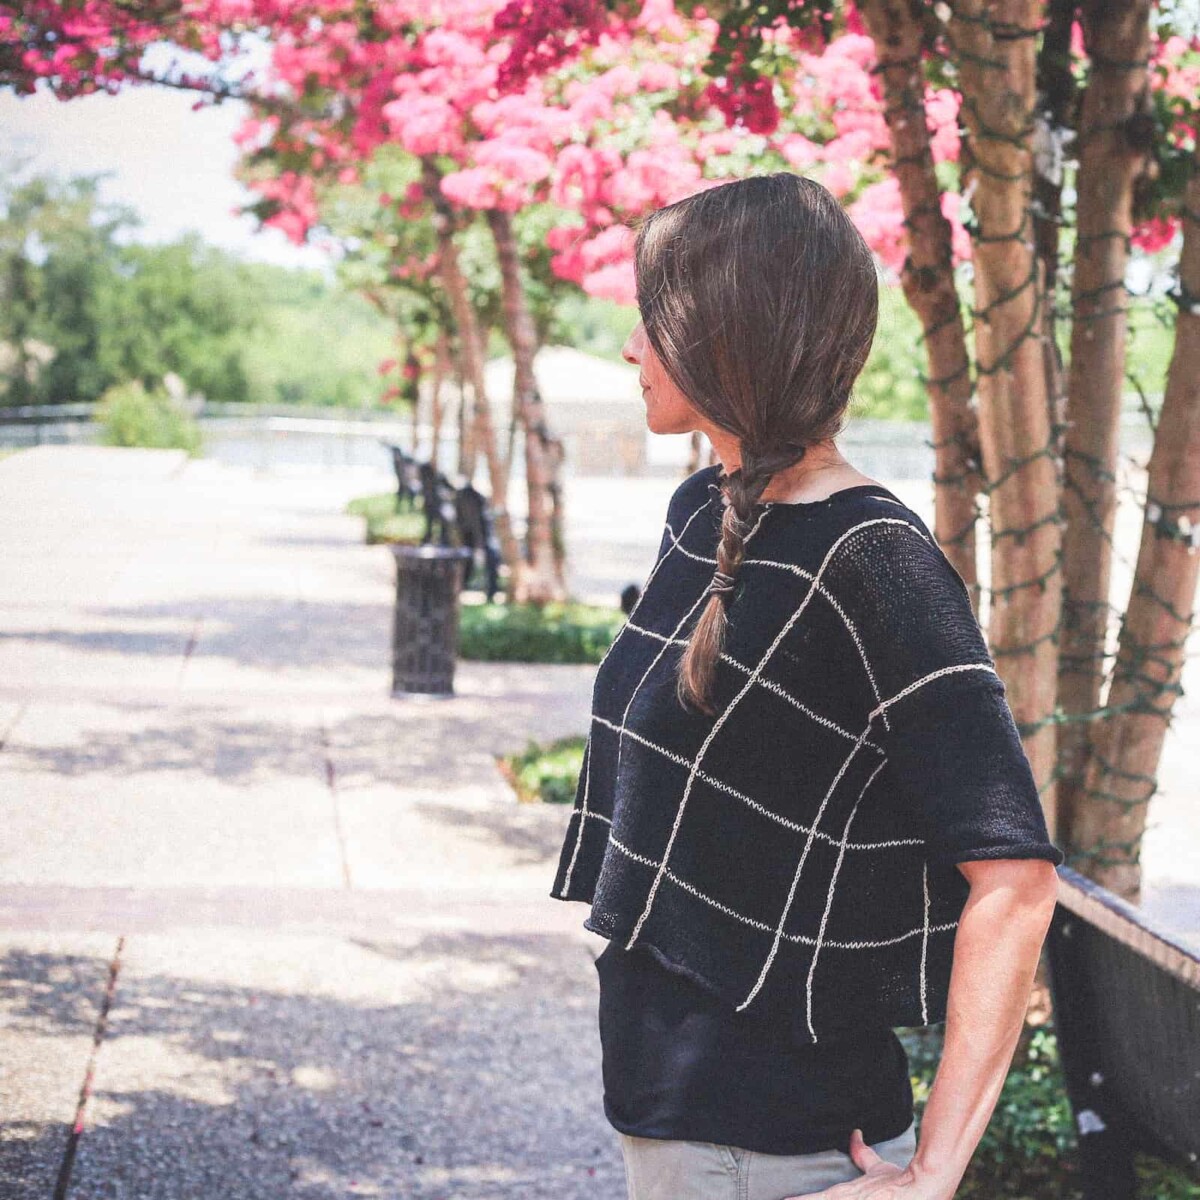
[[938, 708]]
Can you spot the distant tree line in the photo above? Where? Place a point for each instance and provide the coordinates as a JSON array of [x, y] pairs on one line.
[[84, 308]]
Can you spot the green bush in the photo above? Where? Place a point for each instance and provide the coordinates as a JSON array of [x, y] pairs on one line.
[[129, 415], [561, 632], [1029, 1150], [548, 772], [384, 523]]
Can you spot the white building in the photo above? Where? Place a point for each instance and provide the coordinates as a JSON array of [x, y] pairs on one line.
[[594, 404]]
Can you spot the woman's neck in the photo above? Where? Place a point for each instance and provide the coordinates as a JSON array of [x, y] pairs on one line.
[[820, 472]]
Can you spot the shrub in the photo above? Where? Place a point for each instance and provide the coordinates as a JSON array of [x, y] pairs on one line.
[[129, 415], [1029, 1150], [547, 772], [561, 632], [384, 523]]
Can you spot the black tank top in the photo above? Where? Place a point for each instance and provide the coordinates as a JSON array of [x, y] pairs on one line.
[[678, 1063]]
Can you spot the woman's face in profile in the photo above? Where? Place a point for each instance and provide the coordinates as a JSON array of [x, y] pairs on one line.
[[667, 408]]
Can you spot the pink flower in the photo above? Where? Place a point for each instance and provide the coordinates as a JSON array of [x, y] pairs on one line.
[[839, 177], [880, 219], [1155, 234], [616, 282]]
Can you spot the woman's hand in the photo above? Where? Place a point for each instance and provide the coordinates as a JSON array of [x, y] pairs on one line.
[[882, 1180]]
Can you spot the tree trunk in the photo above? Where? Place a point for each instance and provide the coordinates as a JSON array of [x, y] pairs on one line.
[[1055, 122], [441, 368], [539, 580], [928, 281], [1126, 744], [1054, 128], [472, 352], [413, 385], [1116, 100], [467, 452], [996, 45]]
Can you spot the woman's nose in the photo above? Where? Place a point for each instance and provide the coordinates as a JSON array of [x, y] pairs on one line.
[[631, 351]]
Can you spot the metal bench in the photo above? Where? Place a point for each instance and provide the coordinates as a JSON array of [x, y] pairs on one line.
[[1126, 997], [454, 516], [408, 477], [476, 530], [437, 502]]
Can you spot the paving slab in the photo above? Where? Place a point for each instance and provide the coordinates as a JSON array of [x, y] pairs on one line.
[[140, 794], [51, 990]]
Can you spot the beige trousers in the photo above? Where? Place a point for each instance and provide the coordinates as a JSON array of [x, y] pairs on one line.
[[666, 1169]]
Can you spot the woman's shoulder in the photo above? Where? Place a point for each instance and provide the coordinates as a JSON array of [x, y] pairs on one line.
[[877, 544], [877, 505], [867, 531], [851, 518]]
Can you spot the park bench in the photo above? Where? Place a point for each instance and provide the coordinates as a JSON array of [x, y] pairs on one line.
[[1126, 997], [408, 477], [454, 516], [476, 530], [437, 501]]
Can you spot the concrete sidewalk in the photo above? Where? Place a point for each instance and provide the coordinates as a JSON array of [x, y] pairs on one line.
[[284, 934], [279, 933]]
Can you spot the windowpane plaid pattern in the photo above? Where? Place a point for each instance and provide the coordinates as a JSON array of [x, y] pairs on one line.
[[796, 851]]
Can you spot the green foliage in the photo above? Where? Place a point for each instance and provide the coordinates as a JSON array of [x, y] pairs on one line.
[[384, 523], [110, 312], [1029, 1150], [566, 632], [129, 415], [890, 386], [547, 771], [593, 325], [314, 344]]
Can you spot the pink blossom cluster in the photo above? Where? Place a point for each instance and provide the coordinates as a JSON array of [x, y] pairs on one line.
[[529, 102]]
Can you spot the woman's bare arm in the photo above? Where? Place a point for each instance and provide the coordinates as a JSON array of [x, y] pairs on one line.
[[996, 949]]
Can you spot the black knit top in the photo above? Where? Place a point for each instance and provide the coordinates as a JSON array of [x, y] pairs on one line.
[[796, 851]]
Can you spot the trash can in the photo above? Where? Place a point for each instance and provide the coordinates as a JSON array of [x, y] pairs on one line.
[[425, 628]]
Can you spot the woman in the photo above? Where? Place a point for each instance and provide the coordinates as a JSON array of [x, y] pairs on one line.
[[805, 816]]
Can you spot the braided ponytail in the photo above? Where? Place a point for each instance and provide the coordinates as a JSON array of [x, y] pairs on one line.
[[742, 490], [759, 298]]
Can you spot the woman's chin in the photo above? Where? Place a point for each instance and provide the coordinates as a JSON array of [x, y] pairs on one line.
[[656, 423]]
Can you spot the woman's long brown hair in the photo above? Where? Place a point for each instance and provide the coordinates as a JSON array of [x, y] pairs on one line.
[[760, 299]]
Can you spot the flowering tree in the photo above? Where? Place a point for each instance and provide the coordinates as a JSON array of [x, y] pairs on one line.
[[552, 142], [1040, 441], [950, 131]]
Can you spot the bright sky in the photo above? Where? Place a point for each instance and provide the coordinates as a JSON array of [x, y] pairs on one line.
[[173, 165]]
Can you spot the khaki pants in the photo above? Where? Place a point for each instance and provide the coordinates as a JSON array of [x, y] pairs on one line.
[[665, 1169]]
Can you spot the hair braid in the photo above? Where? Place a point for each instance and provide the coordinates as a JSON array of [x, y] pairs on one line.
[[742, 490]]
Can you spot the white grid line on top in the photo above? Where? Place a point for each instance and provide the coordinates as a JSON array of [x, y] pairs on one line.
[[722, 786], [837, 866], [787, 906], [918, 683], [604, 657], [798, 938], [700, 599], [724, 716], [815, 580], [770, 684], [924, 939]]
